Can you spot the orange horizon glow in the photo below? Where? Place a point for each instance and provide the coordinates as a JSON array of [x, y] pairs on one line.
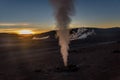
[[39, 31], [25, 31]]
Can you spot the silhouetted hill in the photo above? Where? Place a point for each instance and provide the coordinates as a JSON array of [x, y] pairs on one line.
[[110, 34], [101, 35], [50, 33]]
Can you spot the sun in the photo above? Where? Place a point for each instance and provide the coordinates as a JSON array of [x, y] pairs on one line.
[[25, 32]]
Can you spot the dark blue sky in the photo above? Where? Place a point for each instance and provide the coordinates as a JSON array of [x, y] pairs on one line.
[[39, 13]]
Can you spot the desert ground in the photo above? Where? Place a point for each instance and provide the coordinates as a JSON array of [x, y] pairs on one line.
[[41, 60]]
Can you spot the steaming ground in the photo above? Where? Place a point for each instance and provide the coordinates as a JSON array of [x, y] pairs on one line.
[[38, 60]]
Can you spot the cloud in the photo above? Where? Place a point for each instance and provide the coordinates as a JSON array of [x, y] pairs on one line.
[[23, 25], [14, 24], [14, 27]]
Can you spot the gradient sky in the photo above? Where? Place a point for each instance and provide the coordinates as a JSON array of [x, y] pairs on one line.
[[38, 15]]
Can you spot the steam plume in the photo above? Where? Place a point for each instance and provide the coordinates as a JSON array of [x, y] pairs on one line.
[[64, 9]]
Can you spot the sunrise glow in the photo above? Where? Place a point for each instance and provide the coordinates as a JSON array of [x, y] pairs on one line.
[[25, 32]]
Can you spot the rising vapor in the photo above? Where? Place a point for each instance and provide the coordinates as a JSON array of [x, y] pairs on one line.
[[63, 9]]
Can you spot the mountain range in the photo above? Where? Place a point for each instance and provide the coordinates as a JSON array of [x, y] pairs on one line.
[[98, 35]]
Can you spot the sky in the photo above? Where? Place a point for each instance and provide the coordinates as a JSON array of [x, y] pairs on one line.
[[38, 15]]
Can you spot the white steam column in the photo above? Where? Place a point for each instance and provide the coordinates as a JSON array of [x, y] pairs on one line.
[[63, 10]]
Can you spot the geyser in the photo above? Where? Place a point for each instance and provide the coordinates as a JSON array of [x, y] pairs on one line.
[[63, 10]]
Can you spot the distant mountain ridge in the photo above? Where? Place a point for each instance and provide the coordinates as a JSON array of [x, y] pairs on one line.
[[109, 34], [113, 32]]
